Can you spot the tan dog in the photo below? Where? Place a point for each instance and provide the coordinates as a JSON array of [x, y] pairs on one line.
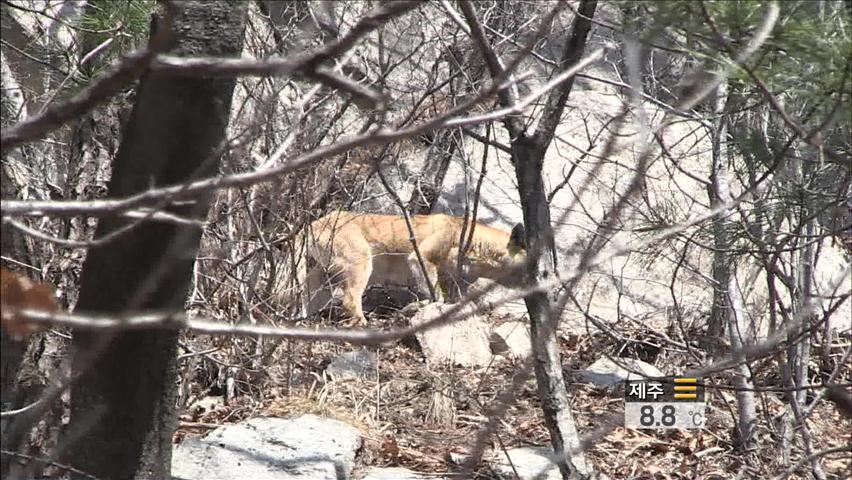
[[352, 250]]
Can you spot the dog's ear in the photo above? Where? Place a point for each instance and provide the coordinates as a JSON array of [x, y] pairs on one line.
[[517, 240]]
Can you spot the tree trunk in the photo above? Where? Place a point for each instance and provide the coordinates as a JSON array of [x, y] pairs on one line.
[[25, 364], [806, 259], [728, 306], [719, 312], [12, 349], [742, 376], [122, 411], [528, 153], [528, 157], [12, 244], [425, 196], [799, 351]]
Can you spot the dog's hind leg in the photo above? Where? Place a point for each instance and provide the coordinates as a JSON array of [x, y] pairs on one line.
[[354, 283]]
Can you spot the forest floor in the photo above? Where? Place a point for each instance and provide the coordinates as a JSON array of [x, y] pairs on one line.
[[426, 417]]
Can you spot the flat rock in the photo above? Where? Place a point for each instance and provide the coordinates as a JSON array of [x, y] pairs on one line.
[[606, 373], [516, 337], [464, 342], [307, 447], [397, 473], [494, 304], [360, 364], [529, 462]]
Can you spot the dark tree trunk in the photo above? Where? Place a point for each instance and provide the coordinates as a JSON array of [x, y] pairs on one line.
[[528, 156], [122, 411], [425, 196], [528, 153]]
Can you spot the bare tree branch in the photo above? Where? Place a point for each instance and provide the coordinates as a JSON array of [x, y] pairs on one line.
[[571, 54], [134, 64], [380, 137], [122, 73]]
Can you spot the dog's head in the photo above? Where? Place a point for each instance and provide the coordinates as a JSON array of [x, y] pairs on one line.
[[493, 259]]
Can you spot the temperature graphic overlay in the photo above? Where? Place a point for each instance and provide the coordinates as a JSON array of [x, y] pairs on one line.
[[674, 402]]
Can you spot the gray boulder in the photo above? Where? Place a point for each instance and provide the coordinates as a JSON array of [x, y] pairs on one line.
[[307, 447]]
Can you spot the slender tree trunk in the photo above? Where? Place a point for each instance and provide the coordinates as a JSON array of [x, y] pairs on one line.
[[805, 272], [25, 364], [12, 349], [123, 402], [799, 352], [721, 236], [12, 244], [728, 306], [742, 378]]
